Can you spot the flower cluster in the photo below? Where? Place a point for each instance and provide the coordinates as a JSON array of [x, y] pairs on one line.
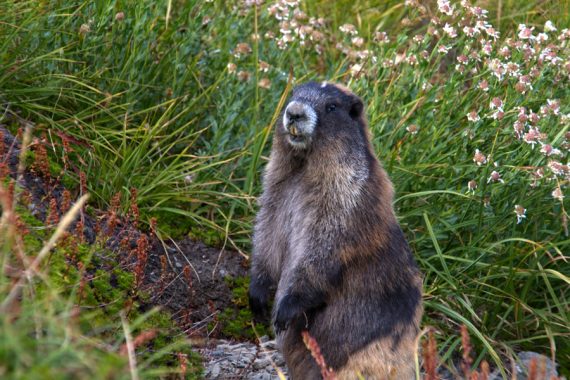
[[501, 75], [296, 26], [516, 63]]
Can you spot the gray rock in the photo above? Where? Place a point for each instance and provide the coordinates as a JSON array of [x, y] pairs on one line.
[[242, 361], [525, 360], [260, 376], [278, 359], [262, 363], [215, 371], [269, 345]]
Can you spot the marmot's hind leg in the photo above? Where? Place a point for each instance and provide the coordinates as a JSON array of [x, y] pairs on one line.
[[301, 364]]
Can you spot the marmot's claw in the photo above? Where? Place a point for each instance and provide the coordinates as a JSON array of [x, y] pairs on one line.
[[286, 311], [259, 302]]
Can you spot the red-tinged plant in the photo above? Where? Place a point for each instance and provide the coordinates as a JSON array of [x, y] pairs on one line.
[[141, 339], [21, 227], [163, 275], [65, 201], [41, 163], [10, 194], [466, 346], [532, 373], [135, 214], [429, 353], [186, 320], [2, 145], [113, 217], [153, 225], [312, 345], [183, 360], [79, 230], [20, 134], [53, 215], [83, 182], [484, 370], [25, 198], [125, 244], [142, 255], [4, 170], [188, 276]]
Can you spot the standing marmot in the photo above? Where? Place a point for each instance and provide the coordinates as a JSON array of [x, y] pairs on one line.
[[327, 236]]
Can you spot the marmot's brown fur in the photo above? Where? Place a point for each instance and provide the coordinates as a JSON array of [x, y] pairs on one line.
[[327, 238]]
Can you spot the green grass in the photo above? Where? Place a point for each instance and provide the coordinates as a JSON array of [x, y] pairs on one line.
[[155, 107]]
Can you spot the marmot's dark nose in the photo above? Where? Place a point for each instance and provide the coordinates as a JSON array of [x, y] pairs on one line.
[[295, 112]]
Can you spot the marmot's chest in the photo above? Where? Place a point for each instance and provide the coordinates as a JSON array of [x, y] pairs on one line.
[[306, 207]]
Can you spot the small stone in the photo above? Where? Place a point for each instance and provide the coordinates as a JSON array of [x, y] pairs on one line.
[[215, 371], [260, 376], [269, 345], [278, 360], [526, 357], [261, 363], [217, 353]]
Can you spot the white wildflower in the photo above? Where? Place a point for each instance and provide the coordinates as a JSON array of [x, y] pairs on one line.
[[450, 30], [549, 26], [558, 194]]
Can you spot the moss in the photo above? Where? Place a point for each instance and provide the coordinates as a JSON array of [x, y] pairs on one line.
[[210, 237], [237, 321], [29, 219], [175, 228], [32, 243], [124, 280], [159, 319], [239, 287], [34, 240]]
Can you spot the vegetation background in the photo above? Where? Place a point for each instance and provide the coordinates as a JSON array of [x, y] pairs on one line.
[[469, 112]]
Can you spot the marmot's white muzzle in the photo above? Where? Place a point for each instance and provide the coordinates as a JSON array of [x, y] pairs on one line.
[[299, 119]]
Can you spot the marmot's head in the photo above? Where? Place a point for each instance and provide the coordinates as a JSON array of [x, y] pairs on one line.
[[318, 113]]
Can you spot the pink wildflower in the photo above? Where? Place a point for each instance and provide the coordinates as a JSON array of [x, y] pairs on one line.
[[472, 116], [479, 158], [495, 177]]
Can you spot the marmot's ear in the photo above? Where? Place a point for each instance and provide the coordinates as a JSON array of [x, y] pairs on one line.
[[356, 107]]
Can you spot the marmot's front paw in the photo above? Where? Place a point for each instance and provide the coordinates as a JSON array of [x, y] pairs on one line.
[[259, 301], [288, 309]]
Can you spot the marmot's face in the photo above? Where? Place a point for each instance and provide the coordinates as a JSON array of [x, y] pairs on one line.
[[320, 111]]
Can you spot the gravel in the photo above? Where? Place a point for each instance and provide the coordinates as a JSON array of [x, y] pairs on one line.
[[243, 360]]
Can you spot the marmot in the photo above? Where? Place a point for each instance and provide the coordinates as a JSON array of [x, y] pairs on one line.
[[327, 238]]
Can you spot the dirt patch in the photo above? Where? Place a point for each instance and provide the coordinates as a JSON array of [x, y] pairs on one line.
[[198, 278]]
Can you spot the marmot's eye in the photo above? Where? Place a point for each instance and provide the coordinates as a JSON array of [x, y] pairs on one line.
[[331, 107]]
